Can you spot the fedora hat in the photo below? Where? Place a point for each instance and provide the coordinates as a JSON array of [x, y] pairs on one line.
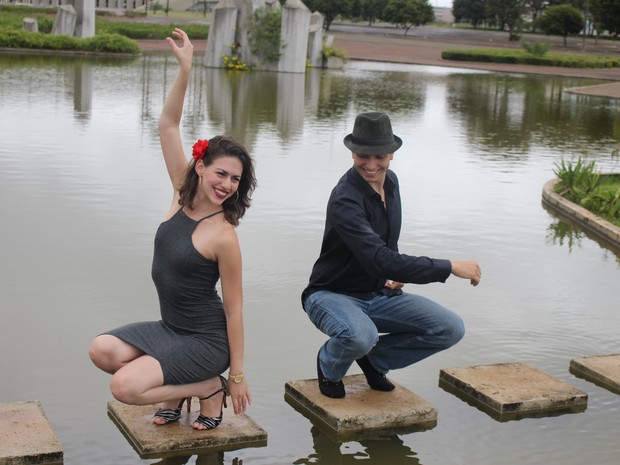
[[372, 135]]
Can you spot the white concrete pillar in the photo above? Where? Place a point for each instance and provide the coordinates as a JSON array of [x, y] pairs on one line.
[[85, 24], [295, 25], [315, 39], [221, 33]]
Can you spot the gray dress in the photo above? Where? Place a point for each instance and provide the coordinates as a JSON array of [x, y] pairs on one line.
[[190, 341]]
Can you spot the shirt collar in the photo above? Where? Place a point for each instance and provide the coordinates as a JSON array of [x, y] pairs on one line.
[[362, 185]]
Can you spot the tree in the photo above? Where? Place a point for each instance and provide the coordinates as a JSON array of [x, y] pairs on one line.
[[536, 7], [471, 11], [507, 14], [372, 10], [156, 6], [408, 13], [606, 15], [561, 20], [330, 9]]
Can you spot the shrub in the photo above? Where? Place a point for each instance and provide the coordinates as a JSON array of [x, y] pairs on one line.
[[264, 33], [536, 48], [576, 179], [582, 184], [491, 55], [232, 62], [332, 52], [104, 43]]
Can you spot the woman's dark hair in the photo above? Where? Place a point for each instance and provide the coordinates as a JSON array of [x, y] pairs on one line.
[[236, 205]]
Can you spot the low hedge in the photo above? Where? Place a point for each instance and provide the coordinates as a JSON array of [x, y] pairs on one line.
[[11, 18], [521, 57], [103, 43], [149, 31]]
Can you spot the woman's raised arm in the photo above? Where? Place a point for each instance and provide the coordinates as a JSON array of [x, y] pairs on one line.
[[170, 118]]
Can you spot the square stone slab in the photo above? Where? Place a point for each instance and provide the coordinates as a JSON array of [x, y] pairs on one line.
[[150, 440], [510, 391], [602, 370], [363, 412], [26, 436]]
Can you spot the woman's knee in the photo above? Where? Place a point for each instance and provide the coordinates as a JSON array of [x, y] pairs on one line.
[[103, 352], [98, 351], [123, 389]]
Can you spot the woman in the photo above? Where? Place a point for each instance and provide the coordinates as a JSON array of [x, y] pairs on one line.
[[199, 336]]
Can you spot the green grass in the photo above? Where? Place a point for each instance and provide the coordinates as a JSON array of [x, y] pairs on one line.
[[139, 30], [521, 57], [100, 44], [112, 35], [582, 184]]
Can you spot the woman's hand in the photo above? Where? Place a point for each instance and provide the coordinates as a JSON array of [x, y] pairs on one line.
[[184, 52], [240, 395]]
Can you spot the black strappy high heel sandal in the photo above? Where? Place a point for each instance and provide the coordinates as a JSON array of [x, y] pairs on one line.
[[213, 422], [170, 415]]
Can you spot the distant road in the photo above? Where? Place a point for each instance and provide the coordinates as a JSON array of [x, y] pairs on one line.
[[423, 45]]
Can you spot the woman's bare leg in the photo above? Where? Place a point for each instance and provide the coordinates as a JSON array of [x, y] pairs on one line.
[[110, 354], [140, 382]]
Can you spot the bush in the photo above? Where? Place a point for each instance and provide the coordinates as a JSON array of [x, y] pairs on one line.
[[582, 184], [104, 43], [149, 31], [537, 49], [511, 56], [332, 52], [264, 33]]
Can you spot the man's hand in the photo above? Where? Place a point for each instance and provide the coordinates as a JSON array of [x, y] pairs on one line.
[[393, 284], [468, 269]]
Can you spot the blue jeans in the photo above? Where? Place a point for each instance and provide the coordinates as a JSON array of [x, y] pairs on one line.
[[394, 332]]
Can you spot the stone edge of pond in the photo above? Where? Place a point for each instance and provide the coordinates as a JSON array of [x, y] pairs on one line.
[[586, 219]]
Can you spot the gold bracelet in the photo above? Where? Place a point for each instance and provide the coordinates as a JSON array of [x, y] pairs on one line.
[[236, 378]]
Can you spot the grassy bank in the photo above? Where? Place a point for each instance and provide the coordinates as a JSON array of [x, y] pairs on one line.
[[523, 57], [583, 185], [112, 34]]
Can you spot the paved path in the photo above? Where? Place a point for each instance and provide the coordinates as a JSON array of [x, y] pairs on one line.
[[424, 45]]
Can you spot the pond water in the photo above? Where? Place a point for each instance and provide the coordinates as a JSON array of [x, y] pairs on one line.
[[83, 188]]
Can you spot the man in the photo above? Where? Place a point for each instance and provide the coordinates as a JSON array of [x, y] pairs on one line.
[[354, 294]]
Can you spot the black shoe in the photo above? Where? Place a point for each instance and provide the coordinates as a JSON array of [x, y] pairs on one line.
[[376, 380], [333, 389]]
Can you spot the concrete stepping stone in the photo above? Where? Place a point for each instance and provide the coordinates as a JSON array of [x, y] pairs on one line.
[[150, 440], [364, 412], [26, 436], [511, 391], [602, 370]]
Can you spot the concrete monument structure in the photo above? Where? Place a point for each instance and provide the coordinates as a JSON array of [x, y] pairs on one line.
[[295, 27], [85, 24], [221, 33], [64, 23], [228, 35], [76, 19], [30, 25], [315, 39]]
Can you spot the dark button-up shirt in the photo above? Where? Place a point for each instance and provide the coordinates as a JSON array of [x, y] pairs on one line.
[[360, 242]]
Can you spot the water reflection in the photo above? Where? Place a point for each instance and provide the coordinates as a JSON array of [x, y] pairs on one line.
[[78, 225], [213, 458], [510, 114], [377, 451], [565, 233]]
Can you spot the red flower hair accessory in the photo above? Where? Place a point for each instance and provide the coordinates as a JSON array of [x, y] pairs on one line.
[[199, 149]]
